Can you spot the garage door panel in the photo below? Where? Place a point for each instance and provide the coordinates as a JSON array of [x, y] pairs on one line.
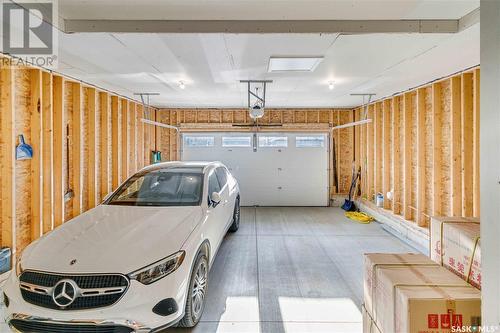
[[271, 176]]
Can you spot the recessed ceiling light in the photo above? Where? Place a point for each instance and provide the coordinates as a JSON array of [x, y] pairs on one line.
[[182, 85], [331, 85], [293, 64]]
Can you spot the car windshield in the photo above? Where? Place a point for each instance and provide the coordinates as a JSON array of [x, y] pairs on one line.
[[161, 187]]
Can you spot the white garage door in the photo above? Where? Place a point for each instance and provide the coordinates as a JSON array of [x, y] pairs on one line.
[[273, 169]]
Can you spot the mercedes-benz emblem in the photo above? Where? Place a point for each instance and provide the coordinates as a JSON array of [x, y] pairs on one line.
[[64, 293]]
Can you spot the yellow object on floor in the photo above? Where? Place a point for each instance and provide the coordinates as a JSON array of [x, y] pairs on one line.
[[359, 217]]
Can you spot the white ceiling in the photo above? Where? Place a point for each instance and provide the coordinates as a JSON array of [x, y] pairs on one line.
[[265, 9], [211, 65]]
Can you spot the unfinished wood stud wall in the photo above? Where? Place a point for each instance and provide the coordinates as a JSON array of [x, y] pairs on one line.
[[429, 156], [43, 106], [306, 120]]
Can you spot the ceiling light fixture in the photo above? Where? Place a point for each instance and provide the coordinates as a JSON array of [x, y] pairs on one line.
[[182, 85], [331, 85]]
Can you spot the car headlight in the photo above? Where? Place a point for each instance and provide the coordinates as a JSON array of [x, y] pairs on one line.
[[19, 268], [159, 269]]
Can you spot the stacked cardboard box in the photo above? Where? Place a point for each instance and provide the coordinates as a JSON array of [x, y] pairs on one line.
[[374, 261], [455, 244], [409, 293]]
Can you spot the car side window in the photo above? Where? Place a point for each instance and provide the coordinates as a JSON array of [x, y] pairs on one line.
[[213, 185], [221, 176]]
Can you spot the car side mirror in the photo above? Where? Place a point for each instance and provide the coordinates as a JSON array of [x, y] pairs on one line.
[[215, 198]]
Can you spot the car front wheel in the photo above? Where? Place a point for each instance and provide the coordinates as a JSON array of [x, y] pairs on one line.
[[236, 217], [195, 303]]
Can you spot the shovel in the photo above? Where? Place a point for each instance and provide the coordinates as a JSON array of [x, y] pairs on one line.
[[23, 151], [348, 203]]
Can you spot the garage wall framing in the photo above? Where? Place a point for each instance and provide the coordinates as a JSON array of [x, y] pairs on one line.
[[285, 120], [68, 125], [434, 145]]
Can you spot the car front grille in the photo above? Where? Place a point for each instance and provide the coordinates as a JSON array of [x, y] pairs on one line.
[[28, 326], [94, 291]]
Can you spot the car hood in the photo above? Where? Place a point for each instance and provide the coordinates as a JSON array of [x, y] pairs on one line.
[[113, 239]]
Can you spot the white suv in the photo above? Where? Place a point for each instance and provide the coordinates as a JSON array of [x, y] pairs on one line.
[[139, 262]]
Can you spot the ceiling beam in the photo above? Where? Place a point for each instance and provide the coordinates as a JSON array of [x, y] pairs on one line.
[[469, 19], [273, 26]]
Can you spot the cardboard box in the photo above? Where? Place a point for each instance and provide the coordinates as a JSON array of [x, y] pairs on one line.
[[368, 323], [389, 279], [374, 261], [456, 245], [436, 309]]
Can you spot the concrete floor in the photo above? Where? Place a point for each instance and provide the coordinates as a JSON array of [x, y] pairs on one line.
[[291, 270]]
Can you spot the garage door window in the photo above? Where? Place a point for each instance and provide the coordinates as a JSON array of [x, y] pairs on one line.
[[199, 141], [236, 141], [273, 141], [310, 141]]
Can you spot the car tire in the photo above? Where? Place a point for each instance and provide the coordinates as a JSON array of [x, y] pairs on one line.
[[236, 216], [196, 293]]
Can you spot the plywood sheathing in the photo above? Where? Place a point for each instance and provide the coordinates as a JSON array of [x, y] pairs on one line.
[[467, 143], [22, 98], [68, 137], [437, 129], [105, 144], [427, 164], [476, 121], [47, 154], [370, 143], [36, 110], [115, 142], [378, 158], [124, 139], [396, 154], [456, 146], [345, 149], [58, 149], [132, 138], [85, 150], [386, 151]]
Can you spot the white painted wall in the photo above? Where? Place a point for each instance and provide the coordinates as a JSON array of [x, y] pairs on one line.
[[490, 160]]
